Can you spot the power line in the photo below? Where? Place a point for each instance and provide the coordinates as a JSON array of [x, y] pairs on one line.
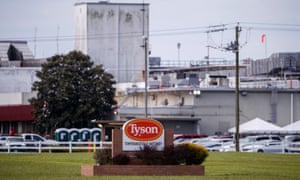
[[163, 32], [166, 32], [271, 24]]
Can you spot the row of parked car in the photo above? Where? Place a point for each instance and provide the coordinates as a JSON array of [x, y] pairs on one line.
[[24, 142], [258, 143]]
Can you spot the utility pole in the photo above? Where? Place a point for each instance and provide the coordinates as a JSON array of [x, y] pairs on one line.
[[237, 100], [145, 46], [146, 75]]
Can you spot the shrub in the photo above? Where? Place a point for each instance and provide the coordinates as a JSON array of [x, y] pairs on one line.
[[102, 156], [187, 153], [149, 155], [169, 156], [190, 153], [121, 159]]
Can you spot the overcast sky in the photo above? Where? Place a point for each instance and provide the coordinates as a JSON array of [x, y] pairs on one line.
[[171, 22]]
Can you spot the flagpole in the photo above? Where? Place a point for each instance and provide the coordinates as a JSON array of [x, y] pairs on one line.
[[264, 41], [266, 52]]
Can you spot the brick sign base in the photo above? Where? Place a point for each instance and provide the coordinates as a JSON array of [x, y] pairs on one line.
[[142, 170]]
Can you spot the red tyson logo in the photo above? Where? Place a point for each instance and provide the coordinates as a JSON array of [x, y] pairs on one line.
[[143, 129]]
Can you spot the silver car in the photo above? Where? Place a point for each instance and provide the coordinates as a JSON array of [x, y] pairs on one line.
[[12, 143], [268, 147], [292, 144]]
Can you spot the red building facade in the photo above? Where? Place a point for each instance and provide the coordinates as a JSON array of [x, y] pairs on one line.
[[16, 117]]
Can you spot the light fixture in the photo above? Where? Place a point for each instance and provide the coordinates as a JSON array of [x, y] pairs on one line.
[[196, 92]]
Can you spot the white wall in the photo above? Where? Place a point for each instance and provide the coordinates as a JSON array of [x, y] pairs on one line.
[[14, 79], [113, 35], [10, 98], [80, 27]]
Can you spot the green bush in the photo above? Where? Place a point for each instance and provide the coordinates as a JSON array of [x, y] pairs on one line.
[[169, 155], [190, 153], [121, 159], [187, 153], [149, 155], [103, 157]]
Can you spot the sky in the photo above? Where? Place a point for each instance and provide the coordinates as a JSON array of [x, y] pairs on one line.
[[48, 26]]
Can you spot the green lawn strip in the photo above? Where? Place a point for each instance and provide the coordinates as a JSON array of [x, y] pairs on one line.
[[253, 165], [217, 166], [43, 166]]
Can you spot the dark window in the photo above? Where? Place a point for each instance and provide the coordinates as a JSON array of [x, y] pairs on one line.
[[37, 138], [276, 138], [27, 137], [262, 138]]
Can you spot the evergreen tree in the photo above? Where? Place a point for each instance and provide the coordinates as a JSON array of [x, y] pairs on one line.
[[71, 92]]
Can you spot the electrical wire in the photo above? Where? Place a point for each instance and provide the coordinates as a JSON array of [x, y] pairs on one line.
[[169, 32]]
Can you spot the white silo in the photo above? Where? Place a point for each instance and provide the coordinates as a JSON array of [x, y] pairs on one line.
[[113, 34]]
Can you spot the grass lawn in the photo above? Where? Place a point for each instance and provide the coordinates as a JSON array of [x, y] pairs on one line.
[[217, 166]]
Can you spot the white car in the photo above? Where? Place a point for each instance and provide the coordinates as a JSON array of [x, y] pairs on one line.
[[248, 141], [36, 139], [12, 143], [213, 143], [269, 147], [292, 144]]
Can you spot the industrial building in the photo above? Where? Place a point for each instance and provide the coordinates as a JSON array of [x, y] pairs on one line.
[[17, 74], [278, 64], [199, 98], [115, 35], [211, 109]]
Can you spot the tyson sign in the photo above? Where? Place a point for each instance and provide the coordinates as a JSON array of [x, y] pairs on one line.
[[138, 132]]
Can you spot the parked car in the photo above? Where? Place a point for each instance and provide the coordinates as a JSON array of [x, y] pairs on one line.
[[200, 141], [213, 139], [188, 136], [213, 143], [180, 141], [12, 143], [292, 144], [257, 140], [228, 147], [217, 146], [213, 146], [36, 139], [268, 147], [249, 141]]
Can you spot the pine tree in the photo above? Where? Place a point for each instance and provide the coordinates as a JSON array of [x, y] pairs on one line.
[[71, 92]]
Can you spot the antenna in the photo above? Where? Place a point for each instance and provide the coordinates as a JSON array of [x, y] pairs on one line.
[[57, 39], [145, 45], [35, 31]]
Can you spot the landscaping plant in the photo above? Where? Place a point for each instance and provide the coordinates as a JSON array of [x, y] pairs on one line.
[[103, 157], [121, 159], [190, 154]]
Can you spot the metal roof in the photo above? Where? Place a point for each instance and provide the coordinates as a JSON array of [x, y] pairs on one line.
[[108, 3]]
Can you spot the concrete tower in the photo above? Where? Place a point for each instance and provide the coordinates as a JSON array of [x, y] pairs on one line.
[[113, 34]]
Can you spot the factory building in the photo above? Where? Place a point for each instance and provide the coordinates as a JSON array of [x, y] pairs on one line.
[[115, 35]]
